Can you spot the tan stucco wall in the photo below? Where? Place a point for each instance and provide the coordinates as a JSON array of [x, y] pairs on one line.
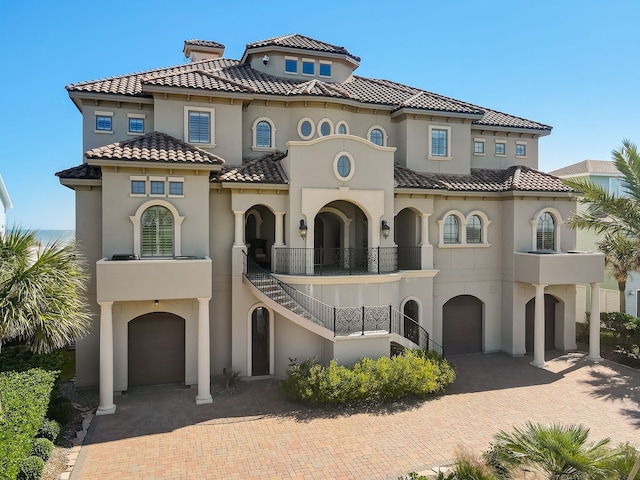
[[120, 123]]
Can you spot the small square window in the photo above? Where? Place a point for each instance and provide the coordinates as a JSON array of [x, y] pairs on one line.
[[291, 65], [325, 69], [308, 68], [136, 125], [500, 148], [175, 188], [157, 188], [138, 187], [478, 148], [103, 123], [521, 150]]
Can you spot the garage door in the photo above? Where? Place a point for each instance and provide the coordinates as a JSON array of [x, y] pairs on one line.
[[549, 323], [462, 325], [156, 349]]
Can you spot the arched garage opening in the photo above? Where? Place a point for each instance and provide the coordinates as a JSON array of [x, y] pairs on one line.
[[462, 325], [156, 349], [549, 323]]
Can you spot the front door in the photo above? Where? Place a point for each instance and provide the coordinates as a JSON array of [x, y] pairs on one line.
[[260, 342]]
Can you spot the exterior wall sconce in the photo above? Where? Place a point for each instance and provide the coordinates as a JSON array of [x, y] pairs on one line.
[[386, 229], [265, 59], [303, 229], [157, 303]]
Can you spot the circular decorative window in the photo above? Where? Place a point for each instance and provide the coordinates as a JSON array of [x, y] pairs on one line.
[[343, 166], [306, 128], [326, 127]]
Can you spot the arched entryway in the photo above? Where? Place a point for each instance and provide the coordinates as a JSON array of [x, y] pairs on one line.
[[549, 323], [156, 349], [407, 233], [259, 234], [462, 325], [411, 312], [260, 342]]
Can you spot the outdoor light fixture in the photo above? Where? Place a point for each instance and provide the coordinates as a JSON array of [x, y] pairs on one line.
[[157, 303], [303, 229], [386, 229], [265, 59]]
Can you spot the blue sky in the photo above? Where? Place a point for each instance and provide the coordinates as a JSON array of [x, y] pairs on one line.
[[569, 64]]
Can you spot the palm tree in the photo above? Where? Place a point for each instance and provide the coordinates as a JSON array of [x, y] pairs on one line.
[[621, 256], [40, 292], [556, 450]]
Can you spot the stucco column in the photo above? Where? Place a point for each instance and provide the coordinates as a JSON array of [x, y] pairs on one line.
[[538, 329], [239, 235], [204, 357], [279, 228], [424, 228], [594, 324], [106, 405]]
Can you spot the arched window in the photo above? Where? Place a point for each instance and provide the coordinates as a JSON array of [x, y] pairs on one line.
[[342, 128], [263, 134], [451, 232], [411, 312], [157, 232], [474, 229], [546, 233], [376, 136]]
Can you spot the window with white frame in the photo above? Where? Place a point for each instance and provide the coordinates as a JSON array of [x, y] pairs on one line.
[[308, 66], [176, 187], [325, 69], [325, 127], [263, 134], [104, 122], [199, 125], [501, 148], [291, 65], [136, 123], [342, 128], [306, 128], [474, 229], [521, 149], [546, 233], [377, 136], [156, 186], [439, 142], [138, 186], [157, 231], [451, 230], [478, 146]]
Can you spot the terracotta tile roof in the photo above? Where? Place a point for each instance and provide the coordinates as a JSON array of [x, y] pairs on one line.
[[295, 40], [81, 172], [265, 169], [517, 178], [155, 147], [203, 43], [587, 166], [231, 76]]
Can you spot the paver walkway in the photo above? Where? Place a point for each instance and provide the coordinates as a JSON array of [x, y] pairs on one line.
[[257, 434]]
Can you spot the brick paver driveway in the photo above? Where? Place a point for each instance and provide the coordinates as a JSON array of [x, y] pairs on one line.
[[256, 434]]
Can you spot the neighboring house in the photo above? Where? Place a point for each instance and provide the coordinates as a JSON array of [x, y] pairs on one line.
[[605, 174], [237, 214], [5, 204]]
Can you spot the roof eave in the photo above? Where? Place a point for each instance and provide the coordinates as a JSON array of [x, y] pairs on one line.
[[197, 91], [80, 182], [441, 113], [78, 95], [250, 185], [533, 131], [108, 162], [269, 48]]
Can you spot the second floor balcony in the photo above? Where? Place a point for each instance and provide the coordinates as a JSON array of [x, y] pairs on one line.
[[345, 261]]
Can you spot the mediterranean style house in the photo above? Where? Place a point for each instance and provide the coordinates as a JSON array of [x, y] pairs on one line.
[[5, 204], [237, 214], [605, 174]]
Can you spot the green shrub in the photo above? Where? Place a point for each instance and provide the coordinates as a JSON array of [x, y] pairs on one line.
[[409, 374], [623, 460], [18, 358], [468, 467], [25, 396], [50, 429], [42, 447], [60, 410], [31, 468]]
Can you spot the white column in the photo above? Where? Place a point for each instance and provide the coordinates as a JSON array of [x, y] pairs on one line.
[[279, 228], [239, 235], [424, 228], [204, 357], [106, 405], [594, 324], [538, 329]]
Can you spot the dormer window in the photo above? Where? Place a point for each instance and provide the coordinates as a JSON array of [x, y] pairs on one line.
[[325, 69], [308, 67], [291, 65]]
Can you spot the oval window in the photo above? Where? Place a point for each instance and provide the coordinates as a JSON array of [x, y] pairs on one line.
[[305, 128], [344, 166], [325, 129]]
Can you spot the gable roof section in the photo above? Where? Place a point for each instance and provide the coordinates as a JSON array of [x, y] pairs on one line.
[[232, 77], [155, 147], [81, 172], [517, 178], [297, 41], [264, 170], [586, 167]]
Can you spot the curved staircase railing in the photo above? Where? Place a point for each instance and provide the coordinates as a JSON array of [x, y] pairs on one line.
[[342, 321]]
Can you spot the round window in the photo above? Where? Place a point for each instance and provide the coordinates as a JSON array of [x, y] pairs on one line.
[[325, 129], [306, 129], [344, 166]]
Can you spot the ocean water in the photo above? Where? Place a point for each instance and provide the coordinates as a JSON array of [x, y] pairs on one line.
[[48, 236]]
